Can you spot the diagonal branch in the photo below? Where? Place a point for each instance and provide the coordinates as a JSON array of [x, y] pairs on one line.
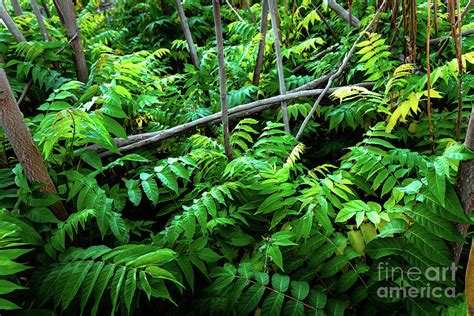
[[261, 43], [187, 33], [338, 72], [11, 25], [141, 140]]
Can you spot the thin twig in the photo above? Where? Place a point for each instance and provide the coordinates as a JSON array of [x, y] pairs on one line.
[[252, 16], [458, 47], [319, 55], [428, 76], [40, 20], [235, 11], [325, 21], [338, 72], [24, 92], [261, 43]]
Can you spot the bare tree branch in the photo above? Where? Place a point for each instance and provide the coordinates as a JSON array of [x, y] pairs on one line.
[[40, 20], [141, 140], [279, 62], [11, 25], [338, 72], [222, 77], [261, 43], [252, 16], [187, 33]]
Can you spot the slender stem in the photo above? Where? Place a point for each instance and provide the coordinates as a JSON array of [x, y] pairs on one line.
[[261, 43], [458, 47], [446, 38], [285, 295], [446, 41], [40, 20], [24, 92], [252, 16], [235, 11], [325, 21], [222, 77], [46, 8], [428, 75], [187, 33], [413, 24], [350, 13], [279, 61], [338, 72]]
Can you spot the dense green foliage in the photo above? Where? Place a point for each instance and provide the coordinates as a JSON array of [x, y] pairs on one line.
[[285, 227]]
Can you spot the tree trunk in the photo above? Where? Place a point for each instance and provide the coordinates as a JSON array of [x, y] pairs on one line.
[[187, 33], [25, 149], [222, 77], [261, 43], [465, 187], [10, 24], [39, 18], [16, 7], [67, 15], [281, 75]]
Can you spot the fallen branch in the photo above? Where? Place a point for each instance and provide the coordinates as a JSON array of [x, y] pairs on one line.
[[343, 13], [338, 72], [141, 140]]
